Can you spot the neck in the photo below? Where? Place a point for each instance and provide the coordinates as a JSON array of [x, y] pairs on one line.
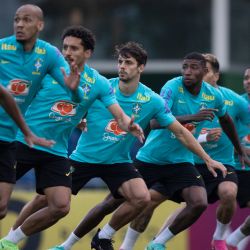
[[194, 90], [128, 88], [28, 45]]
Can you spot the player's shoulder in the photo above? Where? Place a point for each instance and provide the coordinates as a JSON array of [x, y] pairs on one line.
[[8, 39], [92, 76], [44, 48], [231, 93], [175, 82], [8, 44]]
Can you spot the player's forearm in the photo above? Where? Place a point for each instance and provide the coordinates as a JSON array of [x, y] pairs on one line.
[[9, 104], [229, 129], [123, 122], [188, 140], [185, 118]]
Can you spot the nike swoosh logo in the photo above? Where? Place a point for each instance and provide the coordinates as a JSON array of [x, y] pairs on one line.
[[230, 173], [4, 62], [67, 174], [180, 101], [198, 177]]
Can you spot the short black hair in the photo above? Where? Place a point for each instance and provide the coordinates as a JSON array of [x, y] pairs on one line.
[[132, 49], [196, 56], [87, 37]]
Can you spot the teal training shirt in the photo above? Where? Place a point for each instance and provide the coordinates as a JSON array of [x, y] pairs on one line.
[[162, 147], [244, 134], [223, 150], [53, 115], [22, 73], [105, 142]]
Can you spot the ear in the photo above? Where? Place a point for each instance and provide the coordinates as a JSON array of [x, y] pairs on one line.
[[40, 26], [88, 53], [217, 76], [141, 68]]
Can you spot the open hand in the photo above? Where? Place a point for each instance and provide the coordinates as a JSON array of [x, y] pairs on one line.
[[136, 130], [32, 140]]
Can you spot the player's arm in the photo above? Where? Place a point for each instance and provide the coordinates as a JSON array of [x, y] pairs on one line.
[[125, 122], [188, 140], [9, 104], [228, 127]]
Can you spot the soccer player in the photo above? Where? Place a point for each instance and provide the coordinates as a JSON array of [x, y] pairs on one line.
[[222, 189], [53, 113], [190, 100], [139, 100], [24, 61], [243, 173]]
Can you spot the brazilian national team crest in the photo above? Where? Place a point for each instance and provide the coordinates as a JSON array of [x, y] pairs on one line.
[[37, 65], [203, 105], [86, 90], [64, 108], [136, 109], [19, 87]]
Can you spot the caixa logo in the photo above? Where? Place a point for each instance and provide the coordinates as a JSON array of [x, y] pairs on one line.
[[64, 108], [113, 127], [19, 87]]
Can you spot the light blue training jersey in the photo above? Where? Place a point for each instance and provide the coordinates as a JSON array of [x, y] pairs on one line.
[[162, 147], [105, 142], [223, 150], [53, 115], [244, 134], [22, 73]]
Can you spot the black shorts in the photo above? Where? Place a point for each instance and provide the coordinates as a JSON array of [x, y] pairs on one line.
[[212, 183], [7, 162], [243, 195], [170, 179], [50, 170], [112, 174]]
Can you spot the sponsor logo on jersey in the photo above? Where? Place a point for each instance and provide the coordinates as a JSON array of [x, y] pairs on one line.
[[190, 127], [6, 46], [113, 127], [88, 78], [229, 102], [40, 51], [19, 87], [64, 108], [208, 97], [143, 98]]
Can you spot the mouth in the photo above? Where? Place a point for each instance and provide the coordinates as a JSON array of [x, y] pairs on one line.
[[19, 33]]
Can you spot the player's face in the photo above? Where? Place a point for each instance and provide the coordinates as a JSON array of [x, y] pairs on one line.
[[246, 81], [192, 72], [128, 69], [211, 76], [27, 25], [73, 51]]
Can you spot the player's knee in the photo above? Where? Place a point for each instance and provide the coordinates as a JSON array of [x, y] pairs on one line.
[[142, 200], [199, 206], [228, 196], [60, 210]]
